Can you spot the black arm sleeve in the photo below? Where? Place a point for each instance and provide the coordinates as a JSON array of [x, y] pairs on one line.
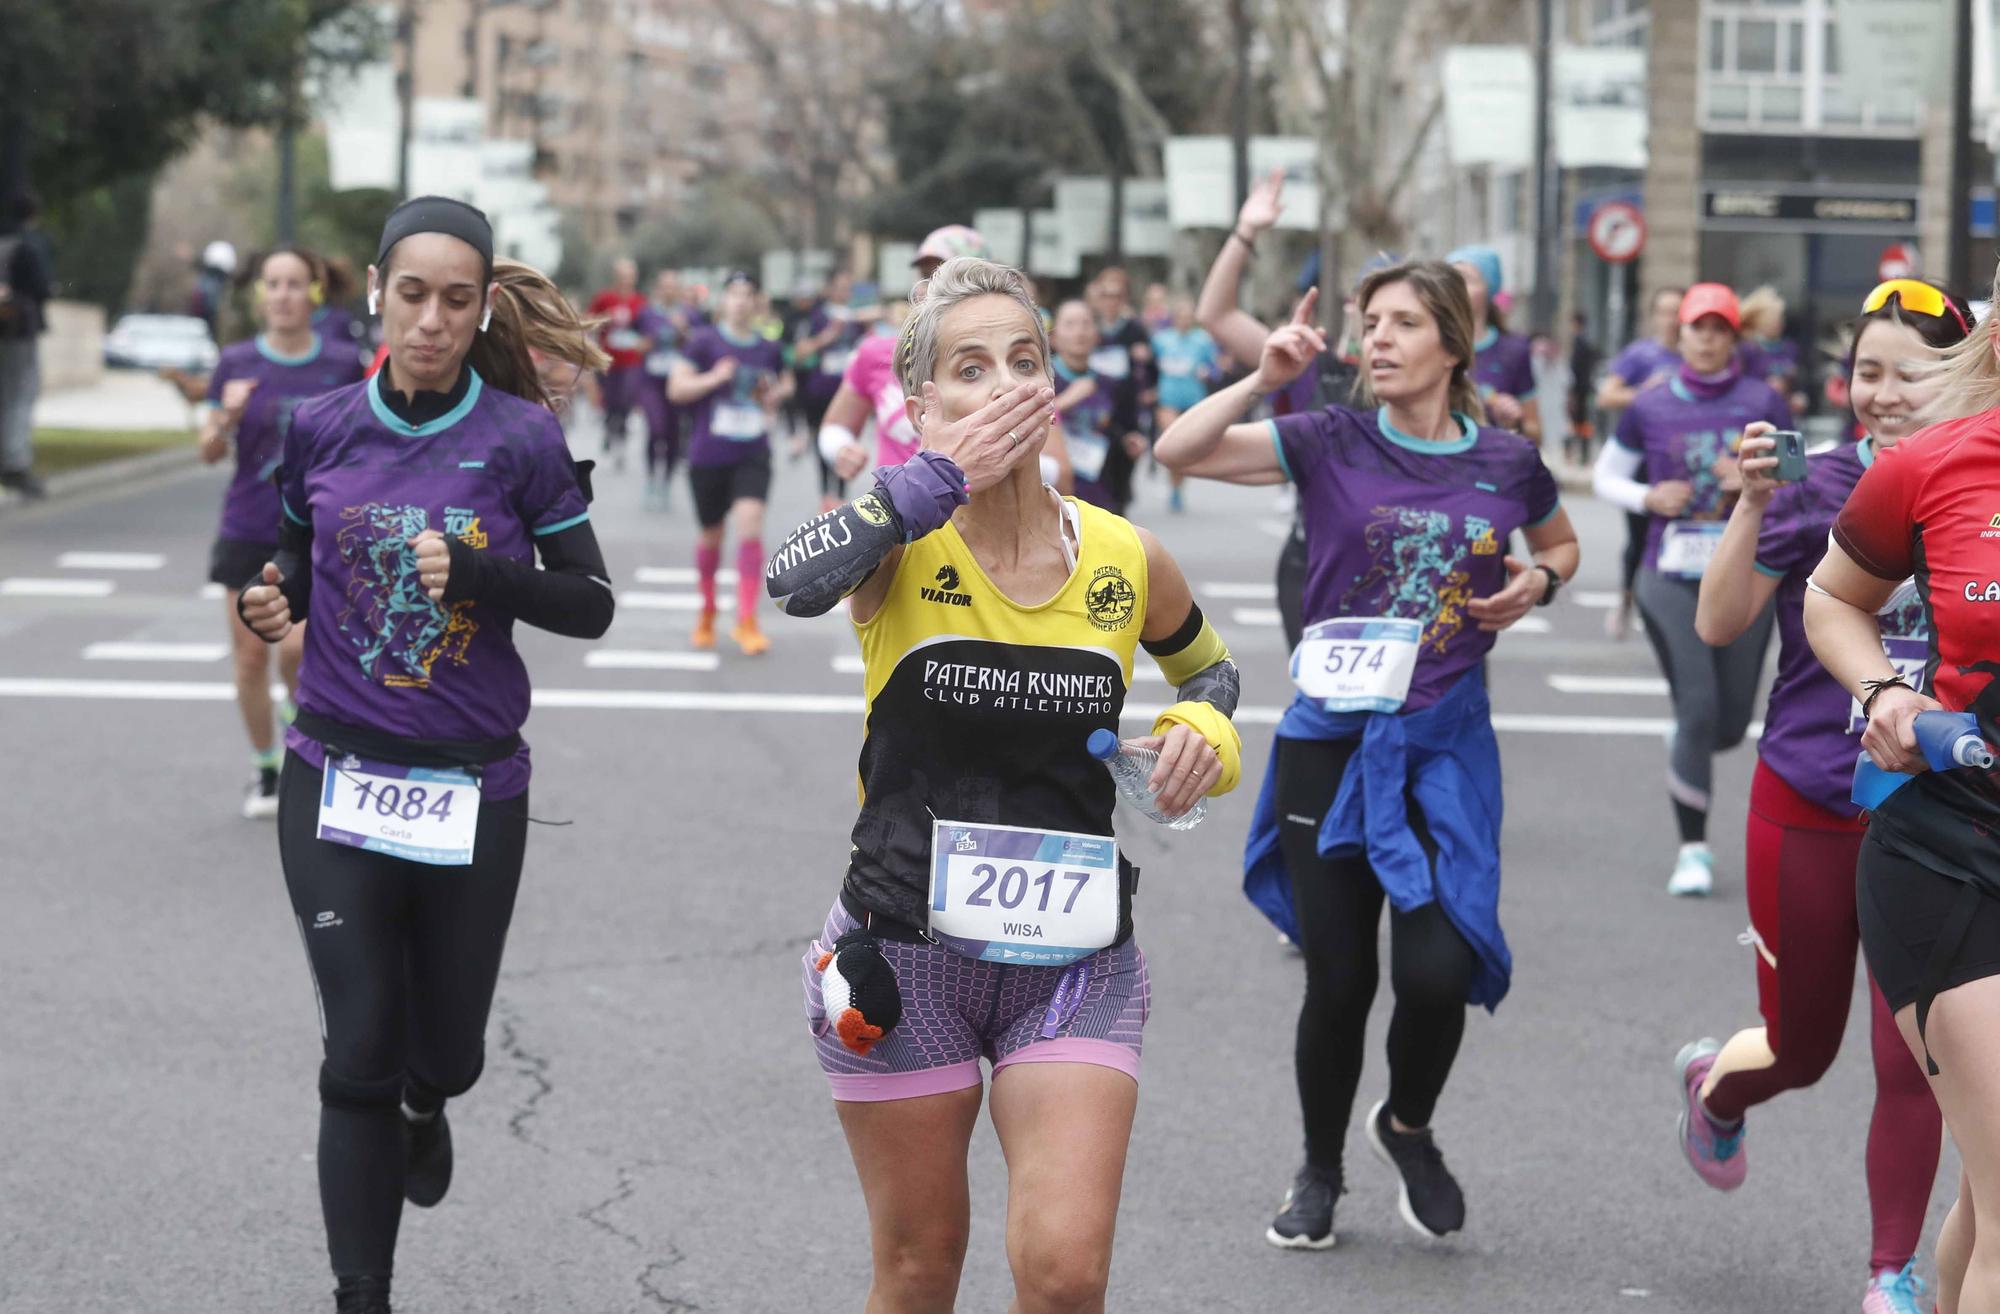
[[570, 595], [294, 562], [831, 555]]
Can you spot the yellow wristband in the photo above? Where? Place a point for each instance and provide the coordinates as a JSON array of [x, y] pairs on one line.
[[1217, 729]]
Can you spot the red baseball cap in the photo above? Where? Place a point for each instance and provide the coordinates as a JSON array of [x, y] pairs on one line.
[[1711, 299]]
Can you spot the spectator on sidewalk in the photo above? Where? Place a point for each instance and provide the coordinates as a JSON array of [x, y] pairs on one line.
[[27, 280]]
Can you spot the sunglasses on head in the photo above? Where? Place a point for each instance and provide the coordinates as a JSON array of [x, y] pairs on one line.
[[1915, 296]]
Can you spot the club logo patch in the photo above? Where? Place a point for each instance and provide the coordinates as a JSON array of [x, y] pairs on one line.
[[947, 577], [946, 591], [1110, 600], [869, 507]]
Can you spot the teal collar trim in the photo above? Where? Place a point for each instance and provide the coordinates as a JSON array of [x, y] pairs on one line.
[[395, 423], [1680, 389], [1867, 451], [1485, 341], [1068, 375], [751, 340], [1469, 434], [276, 357]]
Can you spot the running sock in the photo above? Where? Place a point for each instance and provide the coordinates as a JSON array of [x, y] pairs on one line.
[[270, 759], [707, 560], [1693, 823], [749, 579]]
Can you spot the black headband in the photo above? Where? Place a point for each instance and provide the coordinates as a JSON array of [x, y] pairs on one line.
[[437, 214]]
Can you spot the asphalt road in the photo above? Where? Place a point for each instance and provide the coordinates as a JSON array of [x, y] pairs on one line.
[[652, 1132]]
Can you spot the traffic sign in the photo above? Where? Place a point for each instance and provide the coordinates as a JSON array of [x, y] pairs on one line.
[[1899, 260], [1618, 232]]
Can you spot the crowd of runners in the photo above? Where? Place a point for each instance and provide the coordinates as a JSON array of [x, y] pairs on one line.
[[389, 524]]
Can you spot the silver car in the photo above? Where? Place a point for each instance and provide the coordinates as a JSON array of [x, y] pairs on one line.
[[152, 342]]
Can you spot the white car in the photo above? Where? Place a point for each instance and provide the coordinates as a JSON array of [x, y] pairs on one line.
[[152, 342]]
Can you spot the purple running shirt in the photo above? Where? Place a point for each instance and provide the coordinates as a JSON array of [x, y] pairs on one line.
[[1503, 363], [1400, 527], [1681, 435], [493, 473], [1811, 733], [730, 424], [1088, 435], [1645, 360], [250, 504]]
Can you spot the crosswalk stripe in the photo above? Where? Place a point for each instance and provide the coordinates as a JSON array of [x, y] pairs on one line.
[[1592, 598], [211, 592], [1650, 685], [849, 663], [116, 651], [1256, 616], [111, 561], [625, 659], [1252, 592], [681, 576], [641, 601], [24, 587], [679, 700]]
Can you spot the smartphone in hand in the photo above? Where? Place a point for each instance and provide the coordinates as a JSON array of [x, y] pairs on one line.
[[1790, 450]]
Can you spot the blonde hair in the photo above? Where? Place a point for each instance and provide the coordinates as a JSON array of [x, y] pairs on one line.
[[1968, 373], [958, 279], [531, 312], [1762, 309], [1441, 289]]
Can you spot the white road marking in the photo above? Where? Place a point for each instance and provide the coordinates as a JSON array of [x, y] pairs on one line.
[[1256, 616], [1648, 685], [155, 652], [111, 561], [1601, 601], [849, 663], [682, 576], [1242, 592], [666, 700], [1531, 625], [660, 601], [212, 592], [24, 587], [627, 659]]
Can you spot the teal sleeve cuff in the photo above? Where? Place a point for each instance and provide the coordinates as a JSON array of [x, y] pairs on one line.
[[290, 514], [1278, 445], [1763, 569], [1537, 524], [561, 525]]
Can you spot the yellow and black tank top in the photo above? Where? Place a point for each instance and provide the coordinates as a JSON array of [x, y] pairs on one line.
[[979, 708]]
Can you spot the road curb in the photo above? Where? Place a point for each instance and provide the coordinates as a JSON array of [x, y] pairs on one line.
[[107, 474]]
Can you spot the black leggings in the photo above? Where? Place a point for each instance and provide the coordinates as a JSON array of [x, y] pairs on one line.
[[1339, 903], [1292, 585], [404, 957], [1637, 525]]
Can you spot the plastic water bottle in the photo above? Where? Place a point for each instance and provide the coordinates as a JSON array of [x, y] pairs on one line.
[[1946, 739], [1130, 769]]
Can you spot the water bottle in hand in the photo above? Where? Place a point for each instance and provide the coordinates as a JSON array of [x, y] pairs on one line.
[[1131, 768]]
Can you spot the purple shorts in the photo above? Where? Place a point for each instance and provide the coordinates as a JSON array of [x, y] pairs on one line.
[[957, 1010]]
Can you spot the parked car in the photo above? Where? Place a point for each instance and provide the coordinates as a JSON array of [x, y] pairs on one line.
[[152, 342]]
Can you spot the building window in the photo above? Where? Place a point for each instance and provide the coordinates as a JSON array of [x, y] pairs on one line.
[[1756, 47]]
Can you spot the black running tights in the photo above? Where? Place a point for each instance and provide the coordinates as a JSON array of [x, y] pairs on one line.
[[404, 957], [1339, 903]]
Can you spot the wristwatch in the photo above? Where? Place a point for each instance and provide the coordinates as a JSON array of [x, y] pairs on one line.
[[1555, 584]]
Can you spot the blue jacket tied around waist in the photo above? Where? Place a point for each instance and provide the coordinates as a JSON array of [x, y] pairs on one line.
[[1445, 758]]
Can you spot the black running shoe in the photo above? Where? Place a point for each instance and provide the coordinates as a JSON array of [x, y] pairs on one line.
[[1430, 1202], [428, 1175], [1305, 1222], [362, 1295]]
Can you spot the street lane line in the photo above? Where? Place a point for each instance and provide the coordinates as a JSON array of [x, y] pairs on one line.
[[849, 663], [640, 601], [1256, 616], [212, 592], [673, 700], [1601, 601], [1648, 685], [111, 561], [23, 587], [1241, 592], [681, 576], [155, 652], [626, 659], [1531, 625]]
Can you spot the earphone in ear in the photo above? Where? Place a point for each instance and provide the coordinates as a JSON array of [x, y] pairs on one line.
[[316, 293], [486, 317], [374, 302]]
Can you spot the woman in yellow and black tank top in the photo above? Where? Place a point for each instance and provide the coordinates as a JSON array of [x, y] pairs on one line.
[[986, 912]]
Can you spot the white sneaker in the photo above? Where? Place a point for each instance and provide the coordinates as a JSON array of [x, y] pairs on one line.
[[1694, 872], [260, 800]]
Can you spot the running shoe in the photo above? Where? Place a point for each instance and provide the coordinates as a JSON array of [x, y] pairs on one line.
[[1891, 1292], [752, 640], [260, 800], [1694, 872], [704, 631], [1429, 1200], [428, 1140], [1618, 621], [1176, 502], [1305, 1220], [362, 1295], [1713, 1149]]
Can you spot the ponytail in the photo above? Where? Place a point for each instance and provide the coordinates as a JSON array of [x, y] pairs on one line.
[[529, 311]]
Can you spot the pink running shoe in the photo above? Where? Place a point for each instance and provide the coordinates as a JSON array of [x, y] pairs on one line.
[[1713, 1150]]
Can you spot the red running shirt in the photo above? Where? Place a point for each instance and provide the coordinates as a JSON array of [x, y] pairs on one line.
[[1929, 508], [620, 335]]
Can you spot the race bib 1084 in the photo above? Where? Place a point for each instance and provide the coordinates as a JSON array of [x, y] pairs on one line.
[[1007, 894], [419, 813]]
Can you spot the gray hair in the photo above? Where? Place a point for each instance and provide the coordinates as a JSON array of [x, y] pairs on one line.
[[956, 280]]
